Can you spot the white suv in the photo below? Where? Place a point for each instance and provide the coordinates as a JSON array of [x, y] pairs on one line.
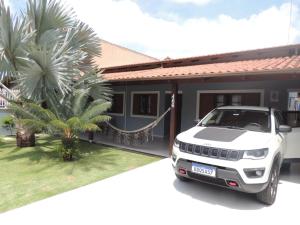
[[236, 147]]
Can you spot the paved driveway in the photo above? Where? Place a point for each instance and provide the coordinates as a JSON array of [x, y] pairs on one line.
[[152, 195]]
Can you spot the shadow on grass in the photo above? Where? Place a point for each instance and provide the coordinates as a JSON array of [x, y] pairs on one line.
[[34, 154], [104, 155], [46, 148]]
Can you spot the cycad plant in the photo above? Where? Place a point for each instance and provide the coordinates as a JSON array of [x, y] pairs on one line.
[[82, 115], [47, 53]]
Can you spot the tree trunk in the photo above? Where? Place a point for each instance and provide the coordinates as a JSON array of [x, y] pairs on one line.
[[25, 138], [69, 146]]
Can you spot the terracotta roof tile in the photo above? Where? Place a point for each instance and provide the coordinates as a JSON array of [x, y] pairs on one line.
[[268, 65]]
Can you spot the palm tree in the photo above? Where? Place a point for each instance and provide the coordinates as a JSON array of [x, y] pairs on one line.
[[80, 116], [47, 53]]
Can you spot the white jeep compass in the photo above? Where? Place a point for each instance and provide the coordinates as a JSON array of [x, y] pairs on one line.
[[236, 147]]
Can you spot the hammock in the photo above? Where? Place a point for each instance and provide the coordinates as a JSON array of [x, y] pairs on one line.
[[144, 134]]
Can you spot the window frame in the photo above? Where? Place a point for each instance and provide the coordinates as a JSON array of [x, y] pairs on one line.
[[287, 112], [145, 92], [124, 104]]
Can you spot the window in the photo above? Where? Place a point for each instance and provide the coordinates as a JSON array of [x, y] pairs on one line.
[[292, 115], [294, 101], [207, 101], [145, 104], [117, 104], [236, 100], [220, 100]]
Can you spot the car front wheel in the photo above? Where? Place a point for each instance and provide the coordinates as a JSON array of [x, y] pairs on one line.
[[268, 195]]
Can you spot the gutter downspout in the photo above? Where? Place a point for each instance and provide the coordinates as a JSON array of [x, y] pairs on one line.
[[125, 107]]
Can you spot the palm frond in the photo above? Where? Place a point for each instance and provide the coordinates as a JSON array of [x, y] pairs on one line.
[[75, 123], [14, 36], [95, 111], [34, 125], [41, 113], [99, 119], [45, 15], [59, 125], [21, 112], [80, 101], [98, 87], [47, 73], [90, 127]]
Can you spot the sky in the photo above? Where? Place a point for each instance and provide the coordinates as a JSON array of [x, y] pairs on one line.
[[183, 28]]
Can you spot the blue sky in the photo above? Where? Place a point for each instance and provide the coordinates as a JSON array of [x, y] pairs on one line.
[[179, 28], [236, 8]]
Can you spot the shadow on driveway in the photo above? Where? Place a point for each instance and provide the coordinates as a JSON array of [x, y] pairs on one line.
[[217, 195], [228, 198], [293, 175]]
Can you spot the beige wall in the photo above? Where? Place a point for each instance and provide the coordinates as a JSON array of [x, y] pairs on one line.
[[114, 55]]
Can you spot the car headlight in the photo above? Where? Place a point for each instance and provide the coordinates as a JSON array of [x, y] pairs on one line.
[[256, 154], [176, 143]]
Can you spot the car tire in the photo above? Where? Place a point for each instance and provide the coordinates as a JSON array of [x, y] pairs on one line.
[[181, 178], [268, 195]]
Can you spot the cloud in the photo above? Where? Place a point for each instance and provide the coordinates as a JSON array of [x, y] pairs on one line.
[[15, 5], [196, 2], [123, 22]]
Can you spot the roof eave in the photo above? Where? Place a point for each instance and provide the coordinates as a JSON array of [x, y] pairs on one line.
[[211, 75]]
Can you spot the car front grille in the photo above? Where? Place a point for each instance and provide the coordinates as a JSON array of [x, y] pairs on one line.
[[211, 152]]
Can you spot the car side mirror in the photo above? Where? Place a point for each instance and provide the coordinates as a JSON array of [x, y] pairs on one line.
[[284, 129]]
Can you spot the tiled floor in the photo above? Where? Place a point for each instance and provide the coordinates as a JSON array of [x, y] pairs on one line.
[[158, 146]]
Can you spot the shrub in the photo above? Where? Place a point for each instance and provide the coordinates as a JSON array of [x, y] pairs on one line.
[[8, 123]]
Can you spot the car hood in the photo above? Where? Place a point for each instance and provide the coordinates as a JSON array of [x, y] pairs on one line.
[[225, 138]]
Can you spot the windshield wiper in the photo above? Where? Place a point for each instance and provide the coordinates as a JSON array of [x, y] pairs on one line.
[[208, 125], [234, 127]]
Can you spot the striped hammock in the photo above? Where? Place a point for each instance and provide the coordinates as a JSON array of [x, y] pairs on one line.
[[141, 135]]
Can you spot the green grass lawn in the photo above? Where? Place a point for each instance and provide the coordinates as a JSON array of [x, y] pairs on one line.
[[31, 174]]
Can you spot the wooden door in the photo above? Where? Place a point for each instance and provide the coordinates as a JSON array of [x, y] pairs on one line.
[[207, 103]]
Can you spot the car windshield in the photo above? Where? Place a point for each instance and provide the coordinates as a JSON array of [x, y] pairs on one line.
[[252, 120]]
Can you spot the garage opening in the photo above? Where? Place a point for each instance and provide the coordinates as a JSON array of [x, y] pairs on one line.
[[209, 101]]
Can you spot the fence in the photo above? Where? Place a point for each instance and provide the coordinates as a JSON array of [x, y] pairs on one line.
[[4, 102]]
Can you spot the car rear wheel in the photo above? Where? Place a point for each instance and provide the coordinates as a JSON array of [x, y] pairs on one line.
[[268, 195], [181, 178]]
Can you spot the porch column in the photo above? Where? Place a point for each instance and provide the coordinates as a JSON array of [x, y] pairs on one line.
[[173, 119]]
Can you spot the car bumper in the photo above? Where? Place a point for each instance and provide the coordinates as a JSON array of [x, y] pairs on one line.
[[223, 177]]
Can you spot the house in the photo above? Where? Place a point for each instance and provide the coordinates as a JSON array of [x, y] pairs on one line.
[[262, 77], [111, 55]]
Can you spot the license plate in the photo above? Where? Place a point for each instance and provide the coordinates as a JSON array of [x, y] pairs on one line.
[[204, 169]]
